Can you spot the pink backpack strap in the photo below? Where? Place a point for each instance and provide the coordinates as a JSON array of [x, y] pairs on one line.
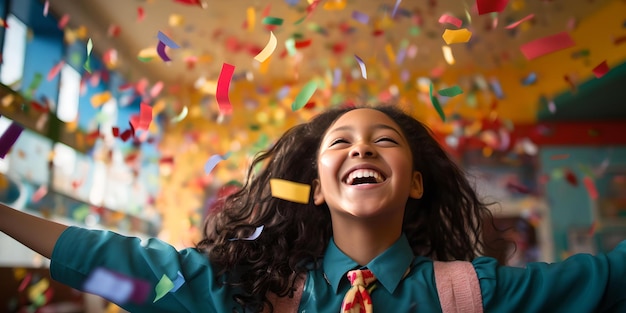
[[458, 287], [287, 304]]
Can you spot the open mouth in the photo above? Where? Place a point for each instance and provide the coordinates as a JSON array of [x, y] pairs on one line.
[[364, 176]]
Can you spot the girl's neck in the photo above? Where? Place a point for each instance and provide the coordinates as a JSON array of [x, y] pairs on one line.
[[362, 240]]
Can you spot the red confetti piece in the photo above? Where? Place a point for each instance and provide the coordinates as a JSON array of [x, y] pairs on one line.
[[488, 6], [140, 14], [145, 116], [114, 30], [63, 21], [619, 40], [303, 43], [189, 2], [9, 138], [601, 69], [515, 24], [559, 157], [546, 45], [126, 135], [591, 187], [115, 131], [223, 85], [571, 177], [445, 18]]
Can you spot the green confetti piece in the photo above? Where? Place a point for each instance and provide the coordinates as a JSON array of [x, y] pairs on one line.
[[305, 94], [414, 31], [163, 287], [436, 104], [144, 59], [268, 20], [300, 20], [290, 44], [87, 65], [32, 88], [451, 92]]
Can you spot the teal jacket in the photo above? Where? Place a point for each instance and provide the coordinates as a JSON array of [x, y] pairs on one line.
[[184, 281]]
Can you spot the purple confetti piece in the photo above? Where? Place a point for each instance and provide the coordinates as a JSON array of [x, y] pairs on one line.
[[361, 17], [395, 8], [161, 51], [9, 138], [362, 65], [212, 162], [254, 236]]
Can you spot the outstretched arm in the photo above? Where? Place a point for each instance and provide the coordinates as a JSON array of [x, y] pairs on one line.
[[36, 233]]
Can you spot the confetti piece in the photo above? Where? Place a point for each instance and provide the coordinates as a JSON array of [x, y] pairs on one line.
[[140, 14], [163, 287], [268, 20], [46, 7], [223, 85], [571, 177], [110, 286], [450, 92], [601, 69], [254, 236], [145, 116], [63, 21], [496, 88], [489, 6], [212, 162], [304, 95], [447, 54], [167, 41], [9, 137], [178, 282], [436, 103], [54, 71], [180, 116], [290, 191], [361, 17], [451, 36], [250, 18], [290, 45], [530, 79], [87, 65], [161, 52], [362, 66], [395, 8], [591, 187], [445, 18], [334, 5], [99, 99], [546, 45], [556, 157], [268, 50], [515, 24], [189, 2]]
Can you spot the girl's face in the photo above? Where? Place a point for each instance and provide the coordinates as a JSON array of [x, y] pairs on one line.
[[365, 166]]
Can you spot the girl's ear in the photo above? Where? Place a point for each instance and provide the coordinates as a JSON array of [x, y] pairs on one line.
[[417, 186], [318, 197]]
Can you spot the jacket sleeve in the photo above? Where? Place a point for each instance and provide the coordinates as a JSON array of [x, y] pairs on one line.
[[80, 253], [581, 283]]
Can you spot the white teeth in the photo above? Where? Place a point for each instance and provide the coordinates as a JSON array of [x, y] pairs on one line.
[[364, 173]]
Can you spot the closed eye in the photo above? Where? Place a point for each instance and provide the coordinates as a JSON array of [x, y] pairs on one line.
[[386, 139], [337, 141]]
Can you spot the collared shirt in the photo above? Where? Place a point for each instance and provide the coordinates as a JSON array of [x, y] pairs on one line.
[[582, 283]]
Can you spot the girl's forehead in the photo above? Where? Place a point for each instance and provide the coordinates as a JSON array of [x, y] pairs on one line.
[[363, 116]]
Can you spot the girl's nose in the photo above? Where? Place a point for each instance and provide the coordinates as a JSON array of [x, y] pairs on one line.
[[362, 151]]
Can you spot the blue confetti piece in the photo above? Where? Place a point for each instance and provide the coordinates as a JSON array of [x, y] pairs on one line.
[[530, 79], [179, 281], [167, 41]]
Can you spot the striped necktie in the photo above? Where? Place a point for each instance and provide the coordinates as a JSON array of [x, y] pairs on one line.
[[357, 299]]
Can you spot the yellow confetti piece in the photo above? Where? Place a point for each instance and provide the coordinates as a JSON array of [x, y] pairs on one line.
[[251, 18], [451, 36], [390, 54], [268, 50], [290, 191], [99, 99], [176, 20], [447, 54], [37, 289], [335, 5]]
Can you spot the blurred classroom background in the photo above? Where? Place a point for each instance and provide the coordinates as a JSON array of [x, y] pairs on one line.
[[135, 116]]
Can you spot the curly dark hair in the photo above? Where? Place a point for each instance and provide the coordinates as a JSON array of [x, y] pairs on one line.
[[445, 224]]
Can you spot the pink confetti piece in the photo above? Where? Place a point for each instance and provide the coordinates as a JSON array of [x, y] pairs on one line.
[[362, 66], [63, 21], [488, 6], [140, 14], [46, 7], [145, 116], [515, 24], [591, 187], [546, 45], [223, 85], [445, 18], [156, 89], [601, 69], [39, 194], [54, 71], [9, 138]]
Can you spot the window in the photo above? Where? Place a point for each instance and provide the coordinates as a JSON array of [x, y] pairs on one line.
[[13, 51], [69, 94]]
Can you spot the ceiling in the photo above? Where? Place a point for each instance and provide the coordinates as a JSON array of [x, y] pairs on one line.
[[215, 33]]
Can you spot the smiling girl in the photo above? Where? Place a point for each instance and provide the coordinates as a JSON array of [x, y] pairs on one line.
[[386, 201]]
